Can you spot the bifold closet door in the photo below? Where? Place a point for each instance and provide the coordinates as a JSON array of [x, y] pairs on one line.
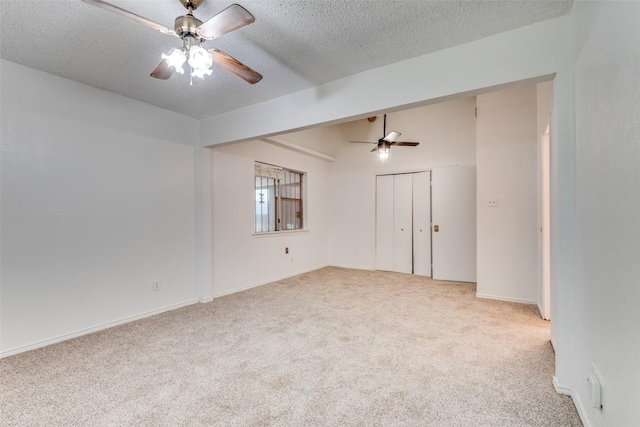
[[384, 222], [422, 223], [403, 223]]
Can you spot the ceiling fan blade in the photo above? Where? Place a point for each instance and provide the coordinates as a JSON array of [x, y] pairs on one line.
[[364, 142], [406, 143], [392, 136], [163, 71], [231, 18], [235, 66], [123, 12]]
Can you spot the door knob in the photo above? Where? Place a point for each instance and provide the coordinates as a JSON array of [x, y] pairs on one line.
[[421, 230], [436, 228], [402, 229]]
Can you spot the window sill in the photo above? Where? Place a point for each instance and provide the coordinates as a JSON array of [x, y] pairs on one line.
[[280, 233]]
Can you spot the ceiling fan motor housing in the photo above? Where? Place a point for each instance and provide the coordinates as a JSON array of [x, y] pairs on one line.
[[186, 26]]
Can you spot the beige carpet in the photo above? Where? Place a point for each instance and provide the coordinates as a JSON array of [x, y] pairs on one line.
[[334, 347]]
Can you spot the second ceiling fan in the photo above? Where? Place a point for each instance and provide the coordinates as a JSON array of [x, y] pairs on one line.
[[193, 32], [384, 144]]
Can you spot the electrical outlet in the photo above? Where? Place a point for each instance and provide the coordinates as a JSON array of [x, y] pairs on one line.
[[156, 285], [595, 391], [492, 203], [594, 381], [286, 250]]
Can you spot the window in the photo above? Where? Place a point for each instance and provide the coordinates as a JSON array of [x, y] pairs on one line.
[[278, 199]]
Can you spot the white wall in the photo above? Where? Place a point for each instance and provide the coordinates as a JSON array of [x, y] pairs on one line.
[[242, 260], [522, 54], [607, 111], [446, 133], [97, 201], [507, 164], [544, 101], [320, 139], [532, 54]]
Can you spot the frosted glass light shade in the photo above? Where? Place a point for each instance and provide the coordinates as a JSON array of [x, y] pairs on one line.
[[383, 152], [175, 59], [201, 72], [200, 60]]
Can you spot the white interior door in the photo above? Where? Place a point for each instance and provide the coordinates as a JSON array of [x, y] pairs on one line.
[[453, 193], [384, 222], [422, 223], [403, 223]]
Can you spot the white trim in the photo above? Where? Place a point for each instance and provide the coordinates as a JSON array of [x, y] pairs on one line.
[[540, 309], [500, 298], [353, 267], [205, 300], [266, 282], [300, 149], [280, 233], [568, 391], [586, 421], [562, 388], [91, 330]]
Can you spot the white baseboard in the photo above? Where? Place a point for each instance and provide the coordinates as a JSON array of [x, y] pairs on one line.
[[568, 391], [97, 328], [64, 337], [501, 298], [586, 421], [540, 310], [352, 267], [561, 388], [265, 282]]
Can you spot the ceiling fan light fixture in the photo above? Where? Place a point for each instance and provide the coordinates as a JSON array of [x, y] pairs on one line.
[[175, 59], [200, 61], [200, 72], [383, 151], [192, 31]]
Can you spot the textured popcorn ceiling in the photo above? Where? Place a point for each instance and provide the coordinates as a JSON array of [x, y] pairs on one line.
[[293, 44]]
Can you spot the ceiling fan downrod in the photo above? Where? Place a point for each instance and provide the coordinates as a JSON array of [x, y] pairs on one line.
[[191, 5]]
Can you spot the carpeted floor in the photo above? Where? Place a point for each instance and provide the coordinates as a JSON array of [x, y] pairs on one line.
[[333, 347]]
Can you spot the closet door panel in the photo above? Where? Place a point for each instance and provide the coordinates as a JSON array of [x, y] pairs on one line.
[[403, 223], [384, 223], [422, 224], [454, 214]]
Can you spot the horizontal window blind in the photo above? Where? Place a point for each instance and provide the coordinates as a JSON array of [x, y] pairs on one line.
[[268, 171]]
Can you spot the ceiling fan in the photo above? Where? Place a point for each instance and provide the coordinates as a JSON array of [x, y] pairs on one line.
[[193, 32], [384, 144]]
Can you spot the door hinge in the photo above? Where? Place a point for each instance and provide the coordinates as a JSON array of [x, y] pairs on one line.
[[476, 112]]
